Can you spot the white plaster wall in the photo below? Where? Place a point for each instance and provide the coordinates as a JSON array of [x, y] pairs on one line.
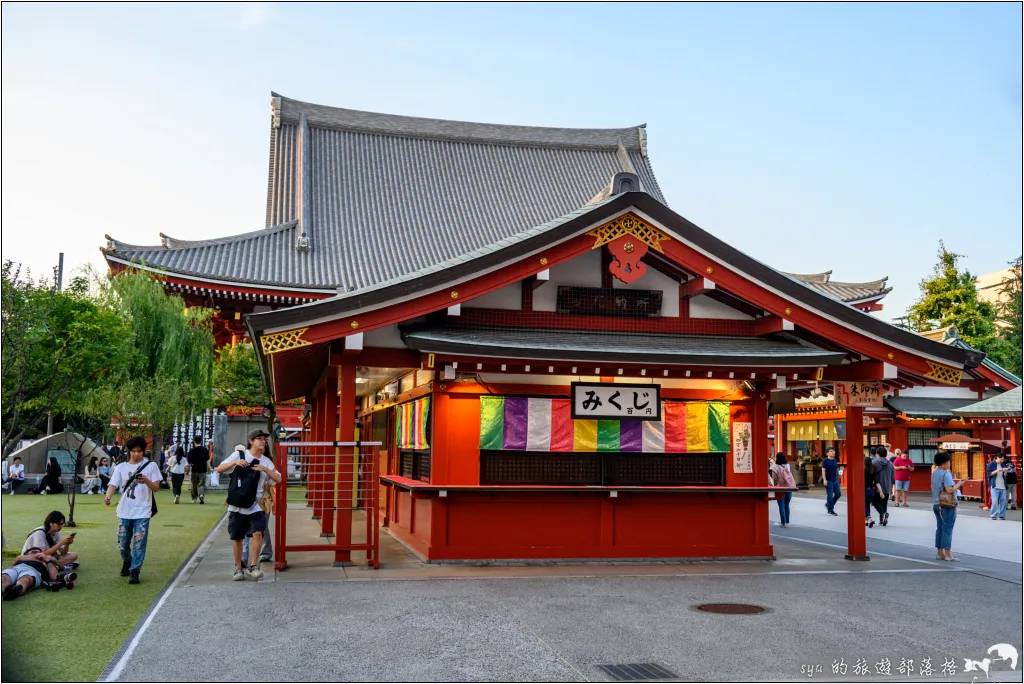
[[703, 306], [387, 337], [656, 280], [583, 271], [509, 298]]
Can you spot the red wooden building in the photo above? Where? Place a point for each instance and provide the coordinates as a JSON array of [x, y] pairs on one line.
[[456, 290]]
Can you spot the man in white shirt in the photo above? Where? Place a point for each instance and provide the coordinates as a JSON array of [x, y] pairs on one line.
[[249, 521], [138, 479]]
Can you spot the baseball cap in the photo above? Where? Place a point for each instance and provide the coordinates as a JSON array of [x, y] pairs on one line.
[[253, 434]]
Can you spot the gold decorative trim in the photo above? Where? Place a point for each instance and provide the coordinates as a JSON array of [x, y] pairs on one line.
[[628, 224], [354, 324], [543, 261], [283, 341], [944, 374]]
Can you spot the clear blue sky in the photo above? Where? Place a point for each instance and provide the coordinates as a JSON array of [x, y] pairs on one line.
[[850, 137]]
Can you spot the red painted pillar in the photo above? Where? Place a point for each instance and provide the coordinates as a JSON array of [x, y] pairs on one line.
[[856, 537], [347, 472], [330, 454], [759, 453], [316, 435]]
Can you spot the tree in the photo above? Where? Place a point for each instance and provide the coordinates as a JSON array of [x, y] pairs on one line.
[[950, 298], [238, 383], [57, 345], [1009, 318], [170, 366]]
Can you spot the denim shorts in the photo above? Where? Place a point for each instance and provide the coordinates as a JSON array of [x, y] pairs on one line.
[[903, 486], [23, 570]]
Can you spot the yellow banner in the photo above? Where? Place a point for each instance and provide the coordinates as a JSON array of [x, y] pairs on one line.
[[802, 430], [827, 429]]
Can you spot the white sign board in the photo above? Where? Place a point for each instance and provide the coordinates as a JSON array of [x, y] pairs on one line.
[[618, 401], [956, 446], [866, 394], [742, 460]]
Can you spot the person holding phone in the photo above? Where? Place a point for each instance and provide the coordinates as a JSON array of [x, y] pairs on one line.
[[945, 518], [47, 539], [138, 480]]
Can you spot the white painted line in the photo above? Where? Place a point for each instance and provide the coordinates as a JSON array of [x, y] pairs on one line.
[[840, 546], [200, 554]]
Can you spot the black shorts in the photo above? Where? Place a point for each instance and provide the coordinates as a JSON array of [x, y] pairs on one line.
[[241, 525]]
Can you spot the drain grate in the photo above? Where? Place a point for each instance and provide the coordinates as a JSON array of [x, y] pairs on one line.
[[730, 608], [635, 672]]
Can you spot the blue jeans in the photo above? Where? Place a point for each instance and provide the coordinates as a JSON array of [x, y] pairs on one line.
[[833, 493], [945, 518], [784, 507], [132, 536], [266, 551], [998, 503]]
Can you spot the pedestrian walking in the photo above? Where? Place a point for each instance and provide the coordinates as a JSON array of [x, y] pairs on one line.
[[944, 507], [1011, 481], [997, 485], [176, 467], [902, 466], [199, 465], [251, 471], [138, 479], [871, 490], [266, 501], [884, 472], [830, 473], [783, 477]]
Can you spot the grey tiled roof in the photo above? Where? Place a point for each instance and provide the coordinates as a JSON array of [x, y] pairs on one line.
[[1008, 404], [620, 347], [844, 292], [381, 196], [926, 407]]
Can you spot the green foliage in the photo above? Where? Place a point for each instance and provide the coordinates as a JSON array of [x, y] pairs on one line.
[[169, 369], [950, 298], [236, 378], [58, 345], [71, 636], [1009, 319]]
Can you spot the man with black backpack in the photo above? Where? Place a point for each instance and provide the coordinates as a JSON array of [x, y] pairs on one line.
[[250, 472], [138, 479]]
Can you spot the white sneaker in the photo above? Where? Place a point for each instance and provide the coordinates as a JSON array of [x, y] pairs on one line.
[[254, 572], [239, 575]]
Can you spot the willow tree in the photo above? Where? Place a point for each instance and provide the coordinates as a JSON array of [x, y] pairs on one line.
[[238, 383], [170, 373]]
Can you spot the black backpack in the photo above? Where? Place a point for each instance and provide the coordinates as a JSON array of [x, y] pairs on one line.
[[245, 480]]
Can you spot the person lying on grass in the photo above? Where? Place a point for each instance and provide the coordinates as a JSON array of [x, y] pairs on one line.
[[29, 571], [49, 540]]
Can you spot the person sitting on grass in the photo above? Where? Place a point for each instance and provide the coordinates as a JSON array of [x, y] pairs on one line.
[[47, 538], [138, 479], [28, 572], [50, 484]]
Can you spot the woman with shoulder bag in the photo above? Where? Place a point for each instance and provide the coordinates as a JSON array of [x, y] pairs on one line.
[[944, 503], [783, 477]]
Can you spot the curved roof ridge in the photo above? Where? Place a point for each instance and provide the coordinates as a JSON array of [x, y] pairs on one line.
[[322, 116], [879, 284], [176, 243], [811, 277], [168, 242]]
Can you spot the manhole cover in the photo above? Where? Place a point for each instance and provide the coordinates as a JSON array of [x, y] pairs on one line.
[[730, 608], [635, 672]]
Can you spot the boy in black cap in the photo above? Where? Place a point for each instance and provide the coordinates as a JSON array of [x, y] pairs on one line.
[[249, 521]]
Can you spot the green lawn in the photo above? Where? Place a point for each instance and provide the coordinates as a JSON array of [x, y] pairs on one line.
[[72, 635]]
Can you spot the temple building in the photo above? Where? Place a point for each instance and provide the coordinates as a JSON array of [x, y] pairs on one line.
[[556, 364]]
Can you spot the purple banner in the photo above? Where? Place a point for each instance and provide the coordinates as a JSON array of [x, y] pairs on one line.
[[517, 411], [631, 435]]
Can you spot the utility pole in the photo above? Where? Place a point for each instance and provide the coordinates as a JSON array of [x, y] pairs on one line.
[[60, 286]]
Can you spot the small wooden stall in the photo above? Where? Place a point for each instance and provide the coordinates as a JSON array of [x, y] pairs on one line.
[[968, 463], [1001, 414]]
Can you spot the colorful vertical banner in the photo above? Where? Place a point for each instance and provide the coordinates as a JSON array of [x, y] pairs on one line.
[[411, 424], [541, 424], [742, 458]]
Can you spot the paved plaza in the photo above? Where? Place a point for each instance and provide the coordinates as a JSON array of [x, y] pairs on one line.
[[412, 621]]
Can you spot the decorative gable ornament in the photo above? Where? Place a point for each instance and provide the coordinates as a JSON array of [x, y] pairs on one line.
[[628, 238]]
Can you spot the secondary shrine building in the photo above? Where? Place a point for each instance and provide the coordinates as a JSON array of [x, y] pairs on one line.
[[558, 364]]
